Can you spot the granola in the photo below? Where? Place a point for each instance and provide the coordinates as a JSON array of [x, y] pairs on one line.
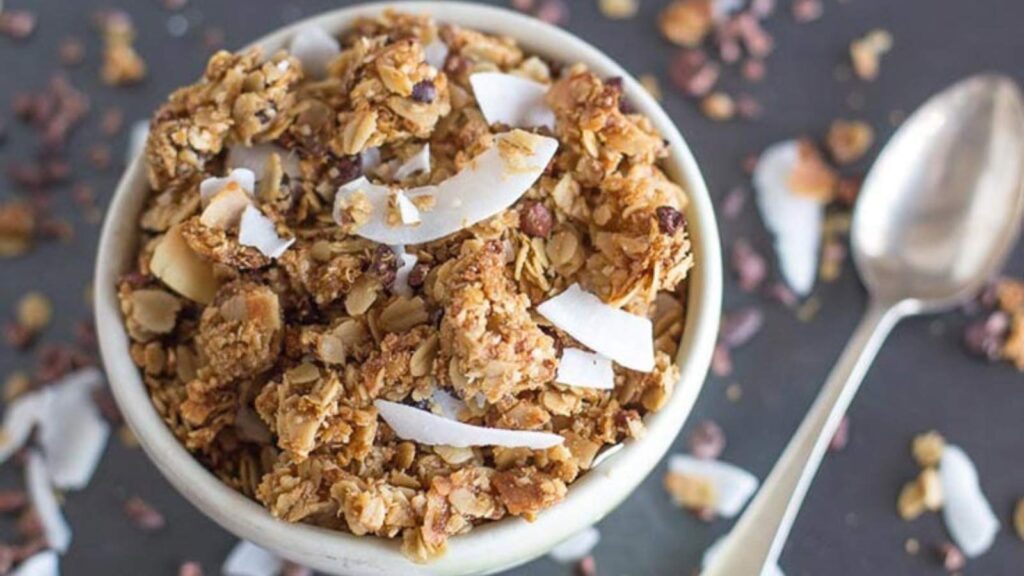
[[267, 365]]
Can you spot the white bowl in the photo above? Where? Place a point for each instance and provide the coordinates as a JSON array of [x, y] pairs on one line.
[[491, 547]]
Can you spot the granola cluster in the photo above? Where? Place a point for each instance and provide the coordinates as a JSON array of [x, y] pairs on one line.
[[267, 368]]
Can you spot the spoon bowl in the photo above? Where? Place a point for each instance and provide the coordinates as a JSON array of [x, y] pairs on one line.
[[933, 222]]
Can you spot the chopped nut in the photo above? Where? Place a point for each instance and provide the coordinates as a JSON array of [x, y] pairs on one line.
[[931, 489], [686, 22], [849, 141], [927, 449]]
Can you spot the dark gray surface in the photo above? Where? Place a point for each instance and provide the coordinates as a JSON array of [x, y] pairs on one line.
[[921, 380]]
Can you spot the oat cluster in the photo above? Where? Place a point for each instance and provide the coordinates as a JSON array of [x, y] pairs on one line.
[[267, 368]]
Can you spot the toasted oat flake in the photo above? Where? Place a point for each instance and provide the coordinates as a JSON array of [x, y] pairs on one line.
[[37, 480], [492, 182], [411, 423], [576, 547], [248, 559], [968, 516], [794, 220], [314, 47], [225, 207], [512, 100], [258, 231], [45, 563], [241, 176], [417, 163], [585, 369], [733, 485], [616, 334]]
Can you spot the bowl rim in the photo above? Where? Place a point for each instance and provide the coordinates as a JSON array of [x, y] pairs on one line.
[[490, 547]]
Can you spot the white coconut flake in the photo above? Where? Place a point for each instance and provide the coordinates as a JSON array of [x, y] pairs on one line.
[[73, 434], [436, 53], [448, 404], [369, 159], [794, 220], [257, 231], [626, 338], [254, 159], [733, 484], [137, 137], [315, 49], [512, 100], [248, 559], [20, 416], [491, 182], [407, 211], [969, 517], [243, 176], [418, 162], [576, 547], [585, 370], [45, 563], [40, 493], [408, 261], [421, 426], [712, 552]]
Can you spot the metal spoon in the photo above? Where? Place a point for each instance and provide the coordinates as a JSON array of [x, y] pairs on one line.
[[936, 217]]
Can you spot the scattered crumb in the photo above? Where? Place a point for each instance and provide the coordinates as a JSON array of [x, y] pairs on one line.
[[618, 9], [696, 494], [866, 53], [1018, 518], [718, 106], [707, 441], [807, 10], [122, 65], [848, 141], [910, 503], [927, 449], [734, 392], [912, 546], [686, 22], [34, 312], [143, 515]]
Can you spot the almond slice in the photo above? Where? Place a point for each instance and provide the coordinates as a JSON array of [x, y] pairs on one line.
[[427, 428], [491, 182], [512, 100], [626, 338], [181, 269]]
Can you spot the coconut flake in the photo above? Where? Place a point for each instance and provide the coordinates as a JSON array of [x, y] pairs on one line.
[[448, 404], [733, 484], [248, 559], [225, 208], [369, 159], [40, 493], [258, 231], [616, 334], [435, 53], [73, 434], [794, 220], [427, 428], [585, 370], [512, 100], [491, 182], [418, 162], [244, 177], [254, 159], [407, 211], [576, 547], [315, 49], [401, 284], [20, 416], [712, 552], [45, 563], [966, 511], [137, 139]]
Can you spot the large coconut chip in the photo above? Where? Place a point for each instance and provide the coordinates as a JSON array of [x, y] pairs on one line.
[[314, 48], [585, 369], [181, 269], [733, 485], [40, 493], [491, 182], [45, 563], [225, 207], [576, 547], [626, 338], [73, 434], [427, 428], [242, 176], [248, 559], [254, 158], [794, 220], [418, 162], [966, 511], [258, 231], [512, 100], [401, 284], [20, 416]]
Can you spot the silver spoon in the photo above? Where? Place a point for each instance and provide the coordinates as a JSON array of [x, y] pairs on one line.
[[936, 217]]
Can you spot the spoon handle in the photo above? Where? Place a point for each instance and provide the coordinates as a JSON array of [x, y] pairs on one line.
[[754, 545]]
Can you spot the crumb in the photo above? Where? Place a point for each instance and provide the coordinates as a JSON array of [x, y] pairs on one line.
[[733, 392], [718, 106], [686, 22], [707, 440], [619, 9], [927, 449], [912, 547], [866, 53], [848, 141]]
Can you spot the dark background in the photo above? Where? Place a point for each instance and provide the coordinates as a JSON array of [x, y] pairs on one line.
[[921, 380]]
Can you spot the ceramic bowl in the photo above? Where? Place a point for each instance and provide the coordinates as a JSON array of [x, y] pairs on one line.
[[491, 547]]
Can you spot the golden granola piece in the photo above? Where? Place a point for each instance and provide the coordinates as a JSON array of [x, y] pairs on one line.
[[240, 333]]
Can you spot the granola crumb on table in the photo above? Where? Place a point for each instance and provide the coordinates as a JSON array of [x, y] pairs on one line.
[[267, 367]]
